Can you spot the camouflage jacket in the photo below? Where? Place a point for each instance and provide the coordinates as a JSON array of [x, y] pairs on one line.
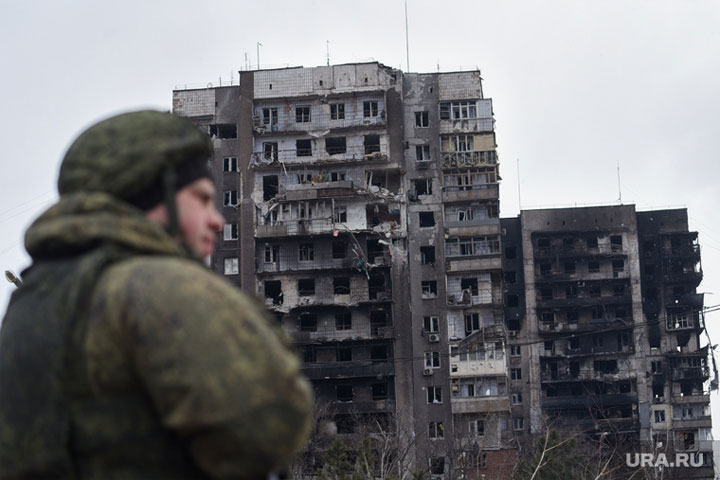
[[120, 358]]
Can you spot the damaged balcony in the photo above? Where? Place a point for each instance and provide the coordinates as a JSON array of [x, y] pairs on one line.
[[469, 185], [466, 116], [364, 368], [336, 151], [588, 400]]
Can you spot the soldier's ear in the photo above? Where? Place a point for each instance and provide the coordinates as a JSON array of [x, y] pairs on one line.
[[158, 214]]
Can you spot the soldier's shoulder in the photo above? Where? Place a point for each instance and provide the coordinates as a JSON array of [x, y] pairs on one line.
[[169, 281]]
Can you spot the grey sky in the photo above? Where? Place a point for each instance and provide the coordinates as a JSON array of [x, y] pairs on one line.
[[576, 86]]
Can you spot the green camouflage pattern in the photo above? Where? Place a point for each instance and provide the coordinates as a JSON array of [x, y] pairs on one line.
[[122, 357], [125, 154]]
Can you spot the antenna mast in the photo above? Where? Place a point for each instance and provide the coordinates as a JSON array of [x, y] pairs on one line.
[[518, 177], [619, 188], [407, 43], [327, 51]]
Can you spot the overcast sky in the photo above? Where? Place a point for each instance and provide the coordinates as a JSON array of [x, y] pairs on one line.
[[577, 86]]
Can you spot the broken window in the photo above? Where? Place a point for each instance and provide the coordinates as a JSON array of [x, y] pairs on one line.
[[573, 343], [423, 186], [343, 321], [427, 219], [597, 312], [605, 366], [511, 253], [659, 416], [231, 266], [308, 322], [344, 393], [432, 359], [434, 394], [337, 111], [658, 391], [574, 368], [223, 130], [230, 164], [376, 286], [597, 341], [422, 119], [593, 266], [458, 110], [546, 293], [427, 255], [547, 317], [592, 242], [370, 108], [270, 151], [343, 354], [379, 391], [341, 285], [335, 145], [429, 289], [371, 143], [230, 231], [512, 300], [616, 243], [435, 430], [337, 176], [545, 269], [572, 316], [422, 152], [340, 215], [431, 324], [571, 291], [230, 198], [470, 284], [306, 252], [510, 277], [594, 291], [569, 266], [270, 116], [379, 352], [303, 148], [619, 290], [272, 253], [273, 290], [339, 248], [472, 323], [270, 187], [302, 113], [618, 266], [306, 287]]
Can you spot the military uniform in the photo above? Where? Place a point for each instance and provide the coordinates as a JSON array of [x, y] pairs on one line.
[[123, 357]]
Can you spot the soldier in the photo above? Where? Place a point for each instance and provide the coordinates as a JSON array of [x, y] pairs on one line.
[[121, 355]]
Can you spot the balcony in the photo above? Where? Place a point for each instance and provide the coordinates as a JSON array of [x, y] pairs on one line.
[[690, 373], [691, 277], [372, 332], [318, 263], [366, 406], [488, 191], [583, 375], [467, 125], [685, 399], [479, 404], [286, 228], [583, 301], [562, 251], [579, 401], [468, 159], [700, 422], [473, 264], [365, 368], [312, 191], [350, 154]]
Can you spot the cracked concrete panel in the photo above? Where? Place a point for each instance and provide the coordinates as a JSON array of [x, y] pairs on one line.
[[194, 103], [460, 86]]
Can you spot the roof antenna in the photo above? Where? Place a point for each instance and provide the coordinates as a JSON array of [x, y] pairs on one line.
[[619, 189], [407, 43], [518, 177], [258, 53], [327, 51]]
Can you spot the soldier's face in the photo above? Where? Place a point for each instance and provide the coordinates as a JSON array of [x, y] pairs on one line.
[[198, 218]]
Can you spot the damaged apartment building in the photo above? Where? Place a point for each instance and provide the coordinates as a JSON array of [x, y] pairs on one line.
[[362, 207], [605, 327]]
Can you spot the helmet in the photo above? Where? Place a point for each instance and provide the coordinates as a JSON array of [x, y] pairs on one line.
[[127, 154]]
